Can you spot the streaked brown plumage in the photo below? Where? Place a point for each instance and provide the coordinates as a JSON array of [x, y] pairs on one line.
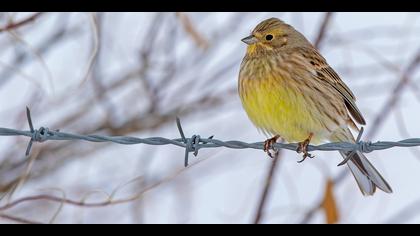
[[288, 89]]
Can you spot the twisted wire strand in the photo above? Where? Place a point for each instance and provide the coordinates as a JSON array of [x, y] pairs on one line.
[[195, 143]]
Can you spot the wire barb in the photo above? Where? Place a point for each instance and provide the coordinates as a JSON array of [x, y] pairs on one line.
[[31, 128], [192, 144], [363, 147], [39, 136]]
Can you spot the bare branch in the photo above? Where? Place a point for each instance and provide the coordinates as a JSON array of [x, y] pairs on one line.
[[18, 24]]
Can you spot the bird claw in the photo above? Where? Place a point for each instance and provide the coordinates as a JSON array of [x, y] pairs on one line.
[[303, 148], [269, 146], [306, 155]]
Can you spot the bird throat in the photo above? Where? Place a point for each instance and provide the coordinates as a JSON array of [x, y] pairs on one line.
[[256, 50]]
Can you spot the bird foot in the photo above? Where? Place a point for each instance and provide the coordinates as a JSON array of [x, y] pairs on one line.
[[269, 146], [303, 148]]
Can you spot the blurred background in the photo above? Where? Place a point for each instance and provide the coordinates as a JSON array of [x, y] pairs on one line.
[[131, 74]]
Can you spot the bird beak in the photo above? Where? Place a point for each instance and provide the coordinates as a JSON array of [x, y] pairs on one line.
[[250, 40]]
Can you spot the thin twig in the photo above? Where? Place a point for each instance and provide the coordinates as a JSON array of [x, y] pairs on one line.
[[18, 219], [18, 24], [95, 49], [109, 201]]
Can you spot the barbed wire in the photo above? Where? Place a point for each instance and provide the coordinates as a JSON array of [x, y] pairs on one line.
[[195, 142]]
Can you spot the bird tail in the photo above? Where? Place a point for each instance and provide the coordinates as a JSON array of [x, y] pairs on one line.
[[367, 177]]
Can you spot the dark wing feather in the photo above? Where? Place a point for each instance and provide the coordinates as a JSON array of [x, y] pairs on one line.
[[349, 98]]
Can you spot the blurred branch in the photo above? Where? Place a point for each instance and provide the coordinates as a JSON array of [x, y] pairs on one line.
[[146, 53], [259, 215], [18, 219], [51, 41], [110, 201], [18, 24], [192, 31], [403, 130], [38, 55], [395, 95], [323, 29], [328, 204], [95, 48]]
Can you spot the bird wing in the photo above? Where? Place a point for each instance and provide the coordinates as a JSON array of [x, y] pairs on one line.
[[326, 73]]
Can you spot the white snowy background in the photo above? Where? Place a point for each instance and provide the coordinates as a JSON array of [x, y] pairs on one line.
[[148, 68]]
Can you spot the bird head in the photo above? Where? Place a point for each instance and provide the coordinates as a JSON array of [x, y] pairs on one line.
[[272, 34]]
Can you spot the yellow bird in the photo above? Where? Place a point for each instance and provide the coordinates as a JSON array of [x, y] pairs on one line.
[[289, 91]]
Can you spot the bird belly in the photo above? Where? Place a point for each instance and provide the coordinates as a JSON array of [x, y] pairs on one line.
[[278, 108]]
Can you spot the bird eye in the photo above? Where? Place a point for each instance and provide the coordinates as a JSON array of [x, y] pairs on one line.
[[269, 37]]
